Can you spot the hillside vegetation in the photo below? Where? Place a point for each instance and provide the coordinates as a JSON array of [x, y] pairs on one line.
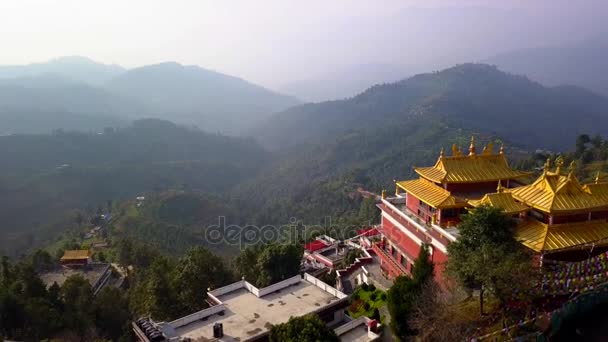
[[47, 176], [477, 97]]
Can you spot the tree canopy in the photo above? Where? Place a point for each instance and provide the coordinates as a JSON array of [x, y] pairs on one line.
[[264, 265], [487, 256], [309, 328], [403, 295]]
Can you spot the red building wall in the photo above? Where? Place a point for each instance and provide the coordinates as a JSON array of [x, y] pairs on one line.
[[397, 237]]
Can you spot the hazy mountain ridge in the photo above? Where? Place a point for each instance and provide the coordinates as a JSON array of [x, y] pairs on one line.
[[75, 68], [197, 96], [39, 98], [470, 96], [584, 64]]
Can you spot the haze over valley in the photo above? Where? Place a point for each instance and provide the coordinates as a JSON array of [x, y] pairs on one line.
[[136, 129]]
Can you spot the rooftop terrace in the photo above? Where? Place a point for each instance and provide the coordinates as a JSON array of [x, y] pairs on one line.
[[247, 313]]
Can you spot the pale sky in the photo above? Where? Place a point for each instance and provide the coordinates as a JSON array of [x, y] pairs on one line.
[[272, 42]]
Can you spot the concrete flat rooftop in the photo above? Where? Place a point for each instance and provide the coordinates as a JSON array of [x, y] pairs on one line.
[[247, 316], [92, 273]]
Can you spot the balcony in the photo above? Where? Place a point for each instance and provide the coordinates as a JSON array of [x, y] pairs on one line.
[[429, 232]]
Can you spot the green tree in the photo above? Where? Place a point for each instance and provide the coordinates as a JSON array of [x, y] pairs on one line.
[[400, 302], [197, 271], [309, 328], [581, 144], [112, 314], [368, 213], [487, 256], [403, 295], [77, 297], [266, 265]]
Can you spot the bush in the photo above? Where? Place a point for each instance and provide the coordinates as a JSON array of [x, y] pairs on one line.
[[366, 306], [373, 295], [371, 287], [376, 314], [365, 287], [383, 296]]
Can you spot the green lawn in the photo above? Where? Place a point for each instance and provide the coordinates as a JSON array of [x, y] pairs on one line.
[[365, 300]]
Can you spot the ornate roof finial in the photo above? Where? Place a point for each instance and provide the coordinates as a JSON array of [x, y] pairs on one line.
[[499, 188], [383, 194], [485, 150], [502, 149], [455, 150], [490, 147], [547, 165], [572, 167], [597, 178], [558, 164], [441, 153], [472, 146]]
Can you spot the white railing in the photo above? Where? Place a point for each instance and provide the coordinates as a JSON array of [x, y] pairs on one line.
[[210, 311], [343, 329], [323, 259], [280, 285], [323, 286], [227, 289], [444, 232], [254, 290], [436, 243]]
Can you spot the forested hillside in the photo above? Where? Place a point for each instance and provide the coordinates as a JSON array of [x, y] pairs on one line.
[[45, 177], [478, 97]]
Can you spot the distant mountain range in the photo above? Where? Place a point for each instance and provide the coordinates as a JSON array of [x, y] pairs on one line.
[[346, 81], [75, 93], [583, 64], [74, 68], [478, 97]]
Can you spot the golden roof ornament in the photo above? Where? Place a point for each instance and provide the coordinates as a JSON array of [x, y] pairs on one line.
[[571, 169], [455, 151], [490, 147], [472, 146], [499, 188], [558, 164], [547, 165], [597, 178], [441, 153], [502, 149]]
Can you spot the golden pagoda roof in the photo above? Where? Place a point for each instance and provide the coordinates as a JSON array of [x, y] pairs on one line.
[[472, 168], [502, 200], [599, 190], [77, 254], [431, 194], [555, 193], [542, 237]]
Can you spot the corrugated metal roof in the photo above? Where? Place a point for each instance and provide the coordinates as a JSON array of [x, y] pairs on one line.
[[553, 192], [470, 169], [76, 254], [501, 200], [430, 193], [539, 236]]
